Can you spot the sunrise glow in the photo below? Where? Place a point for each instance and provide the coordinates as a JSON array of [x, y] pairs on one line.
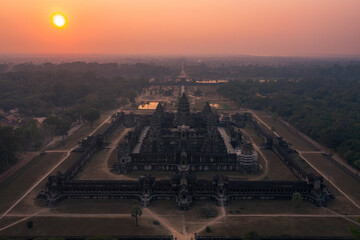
[[188, 27]]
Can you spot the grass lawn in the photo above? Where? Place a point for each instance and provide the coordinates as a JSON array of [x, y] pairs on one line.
[[112, 159], [68, 162], [97, 167], [76, 226], [12, 188], [302, 163], [272, 207], [95, 206], [281, 226], [249, 131], [278, 171], [289, 135], [8, 220], [32, 204], [346, 182]]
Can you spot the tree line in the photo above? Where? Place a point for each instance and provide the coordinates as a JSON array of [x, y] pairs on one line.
[[63, 97], [326, 107]]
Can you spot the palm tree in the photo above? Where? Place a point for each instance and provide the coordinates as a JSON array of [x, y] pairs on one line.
[[136, 212]]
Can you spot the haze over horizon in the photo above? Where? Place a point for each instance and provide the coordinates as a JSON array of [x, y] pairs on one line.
[[202, 27]]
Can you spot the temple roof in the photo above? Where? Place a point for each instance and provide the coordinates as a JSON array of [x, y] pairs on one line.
[[159, 109], [183, 104], [207, 109]]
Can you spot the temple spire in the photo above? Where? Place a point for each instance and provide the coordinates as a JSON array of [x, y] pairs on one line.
[[206, 109], [156, 118], [183, 111]]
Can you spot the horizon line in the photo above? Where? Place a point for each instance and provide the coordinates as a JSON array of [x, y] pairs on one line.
[[178, 55]]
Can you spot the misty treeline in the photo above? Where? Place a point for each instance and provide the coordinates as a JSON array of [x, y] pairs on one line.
[[63, 97], [101, 69], [229, 71], [326, 108], [208, 68], [37, 93]]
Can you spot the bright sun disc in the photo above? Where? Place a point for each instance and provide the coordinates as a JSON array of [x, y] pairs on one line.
[[58, 20]]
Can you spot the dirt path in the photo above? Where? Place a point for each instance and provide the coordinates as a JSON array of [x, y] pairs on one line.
[[163, 222], [55, 151], [184, 235], [23, 219], [320, 152], [216, 220], [343, 216]]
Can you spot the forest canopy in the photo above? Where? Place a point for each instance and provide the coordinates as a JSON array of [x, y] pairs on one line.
[[62, 97], [326, 107]]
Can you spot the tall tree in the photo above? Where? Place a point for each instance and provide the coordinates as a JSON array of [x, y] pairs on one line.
[[57, 126], [91, 115], [136, 212]]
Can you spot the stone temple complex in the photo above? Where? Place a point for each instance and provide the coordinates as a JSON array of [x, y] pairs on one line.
[[184, 140], [185, 143]]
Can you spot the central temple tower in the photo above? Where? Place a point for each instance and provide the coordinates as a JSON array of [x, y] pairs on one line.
[[183, 112]]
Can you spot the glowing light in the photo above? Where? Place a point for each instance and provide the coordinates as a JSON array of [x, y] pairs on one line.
[[150, 105], [59, 20]]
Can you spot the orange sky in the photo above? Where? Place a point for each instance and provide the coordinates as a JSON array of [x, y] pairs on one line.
[[256, 27]]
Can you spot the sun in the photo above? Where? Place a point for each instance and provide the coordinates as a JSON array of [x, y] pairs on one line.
[[59, 20]]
